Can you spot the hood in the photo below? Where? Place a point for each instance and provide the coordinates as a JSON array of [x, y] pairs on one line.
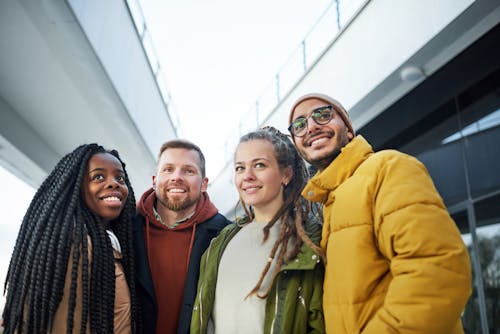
[[205, 210]]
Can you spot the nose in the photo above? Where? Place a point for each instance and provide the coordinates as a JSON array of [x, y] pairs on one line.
[[112, 183], [248, 175], [312, 126], [176, 175]]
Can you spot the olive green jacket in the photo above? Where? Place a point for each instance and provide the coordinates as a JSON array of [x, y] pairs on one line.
[[294, 304]]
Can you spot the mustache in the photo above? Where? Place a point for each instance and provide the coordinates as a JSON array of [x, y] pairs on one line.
[[317, 134], [176, 184]]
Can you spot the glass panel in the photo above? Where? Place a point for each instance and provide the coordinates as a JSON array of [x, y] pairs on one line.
[[444, 159], [479, 117], [488, 217], [446, 167], [483, 161], [462, 154]]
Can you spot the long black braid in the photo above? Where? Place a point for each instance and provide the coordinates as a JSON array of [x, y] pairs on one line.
[[58, 225], [295, 209]]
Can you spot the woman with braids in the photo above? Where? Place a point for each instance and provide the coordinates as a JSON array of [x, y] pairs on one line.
[[84, 207], [263, 274]]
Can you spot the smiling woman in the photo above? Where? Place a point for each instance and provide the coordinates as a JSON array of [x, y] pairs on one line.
[[79, 221], [263, 274]]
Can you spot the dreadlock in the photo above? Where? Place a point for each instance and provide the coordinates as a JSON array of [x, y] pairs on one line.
[[57, 225], [294, 211]]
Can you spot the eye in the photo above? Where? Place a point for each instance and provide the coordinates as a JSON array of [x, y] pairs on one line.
[[190, 171], [121, 179], [260, 165], [322, 115], [168, 169], [239, 169], [97, 177], [299, 124]]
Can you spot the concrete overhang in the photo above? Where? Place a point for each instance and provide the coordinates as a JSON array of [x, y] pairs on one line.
[[56, 93]]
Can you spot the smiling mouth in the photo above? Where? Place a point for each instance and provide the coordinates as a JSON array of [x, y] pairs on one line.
[[251, 189], [176, 190], [319, 138], [112, 201], [318, 141]]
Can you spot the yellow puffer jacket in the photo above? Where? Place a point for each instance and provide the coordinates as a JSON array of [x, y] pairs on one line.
[[396, 262]]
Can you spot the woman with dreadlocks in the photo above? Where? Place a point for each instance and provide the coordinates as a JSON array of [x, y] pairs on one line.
[[264, 274], [72, 268]]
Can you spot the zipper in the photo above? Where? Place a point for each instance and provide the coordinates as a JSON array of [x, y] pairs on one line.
[[275, 304], [200, 293], [301, 297]]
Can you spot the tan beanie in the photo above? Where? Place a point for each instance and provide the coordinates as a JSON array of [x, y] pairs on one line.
[[336, 105]]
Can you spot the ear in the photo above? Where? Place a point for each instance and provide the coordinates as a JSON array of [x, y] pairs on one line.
[[350, 135], [204, 184], [287, 176]]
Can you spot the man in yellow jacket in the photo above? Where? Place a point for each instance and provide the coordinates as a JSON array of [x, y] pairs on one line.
[[396, 262]]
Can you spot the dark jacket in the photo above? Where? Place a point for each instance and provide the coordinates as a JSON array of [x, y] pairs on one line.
[[144, 283]]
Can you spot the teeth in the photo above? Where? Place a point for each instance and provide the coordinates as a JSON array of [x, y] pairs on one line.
[[176, 191], [112, 199], [318, 141]]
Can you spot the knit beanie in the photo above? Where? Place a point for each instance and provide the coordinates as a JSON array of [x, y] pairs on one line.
[[331, 101]]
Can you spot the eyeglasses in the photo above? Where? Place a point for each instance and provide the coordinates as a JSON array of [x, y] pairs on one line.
[[321, 116]]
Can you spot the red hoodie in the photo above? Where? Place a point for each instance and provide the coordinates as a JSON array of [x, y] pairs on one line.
[[169, 251]]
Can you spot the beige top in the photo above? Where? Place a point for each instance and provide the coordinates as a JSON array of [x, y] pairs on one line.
[[240, 268], [122, 316]]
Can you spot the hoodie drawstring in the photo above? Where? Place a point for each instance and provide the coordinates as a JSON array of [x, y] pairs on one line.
[[190, 246]]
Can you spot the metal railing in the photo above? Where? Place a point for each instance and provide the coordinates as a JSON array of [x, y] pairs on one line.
[[154, 63], [319, 37]]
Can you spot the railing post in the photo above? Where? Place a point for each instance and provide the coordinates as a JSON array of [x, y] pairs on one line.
[[304, 54], [278, 88], [143, 32], [257, 113], [337, 7]]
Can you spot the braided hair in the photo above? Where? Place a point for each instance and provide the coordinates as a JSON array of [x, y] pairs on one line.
[[57, 225], [294, 211]]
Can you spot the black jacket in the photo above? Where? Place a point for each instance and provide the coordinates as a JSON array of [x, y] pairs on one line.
[[144, 283]]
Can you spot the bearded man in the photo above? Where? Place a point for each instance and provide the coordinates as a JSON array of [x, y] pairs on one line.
[[174, 225], [395, 260]]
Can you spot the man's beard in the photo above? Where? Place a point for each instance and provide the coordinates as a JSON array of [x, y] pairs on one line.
[[323, 162], [326, 159], [177, 205]]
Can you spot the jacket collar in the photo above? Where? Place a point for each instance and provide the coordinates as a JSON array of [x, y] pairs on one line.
[[306, 259], [340, 169]]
